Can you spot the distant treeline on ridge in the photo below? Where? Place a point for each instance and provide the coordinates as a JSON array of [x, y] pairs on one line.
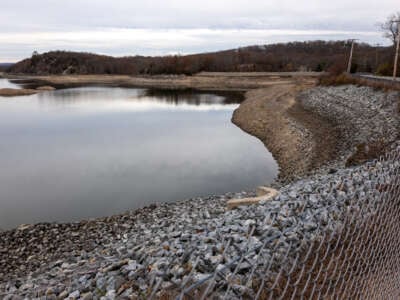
[[295, 56]]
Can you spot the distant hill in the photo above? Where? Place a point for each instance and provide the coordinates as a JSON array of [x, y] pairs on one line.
[[5, 66], [303, 56]]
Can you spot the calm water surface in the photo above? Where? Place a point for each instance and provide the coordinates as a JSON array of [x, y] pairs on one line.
[[95, 151]]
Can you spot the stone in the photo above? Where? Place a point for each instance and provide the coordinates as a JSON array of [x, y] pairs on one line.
[[74, 295], [63, 295], [115, 266], [87, 296], [132, 247]]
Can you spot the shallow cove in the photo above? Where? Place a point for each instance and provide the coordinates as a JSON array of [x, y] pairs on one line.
[[86, 152]]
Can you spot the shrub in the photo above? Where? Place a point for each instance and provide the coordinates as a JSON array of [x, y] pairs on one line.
[[342, 79], [384, 69]]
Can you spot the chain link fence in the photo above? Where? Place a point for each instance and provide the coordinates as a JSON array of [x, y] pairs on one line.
[[355, 255]]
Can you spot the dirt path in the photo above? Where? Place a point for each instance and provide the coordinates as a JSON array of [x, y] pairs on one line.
[[299, 140]]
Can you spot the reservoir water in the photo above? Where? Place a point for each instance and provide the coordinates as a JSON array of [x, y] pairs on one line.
[[79, 153]]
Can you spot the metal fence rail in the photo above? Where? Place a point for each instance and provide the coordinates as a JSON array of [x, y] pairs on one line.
[[358, 258], [383, 81]]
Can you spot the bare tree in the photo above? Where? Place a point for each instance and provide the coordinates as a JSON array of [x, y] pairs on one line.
[[389, 27]]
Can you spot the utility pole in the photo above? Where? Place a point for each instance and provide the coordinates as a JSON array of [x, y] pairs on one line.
[[396, 56], [377, 56], [351, 56]]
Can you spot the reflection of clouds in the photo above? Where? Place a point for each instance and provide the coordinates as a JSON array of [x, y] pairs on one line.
[[144, 105], [101, 99], [178, 97], [5, 84], [68, 166]]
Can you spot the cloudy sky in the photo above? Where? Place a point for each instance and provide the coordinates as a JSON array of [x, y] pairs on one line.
[[158, 27]]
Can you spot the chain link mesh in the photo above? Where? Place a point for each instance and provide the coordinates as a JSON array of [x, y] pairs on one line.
[[357, 258]]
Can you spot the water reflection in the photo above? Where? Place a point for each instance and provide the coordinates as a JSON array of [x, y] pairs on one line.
[[178, 97], [6, 84], [100, 98], [87, 152]]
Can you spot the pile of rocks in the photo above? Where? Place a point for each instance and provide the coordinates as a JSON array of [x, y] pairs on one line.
[[362, 114]]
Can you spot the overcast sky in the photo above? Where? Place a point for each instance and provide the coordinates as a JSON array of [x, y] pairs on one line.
[[158, 27]]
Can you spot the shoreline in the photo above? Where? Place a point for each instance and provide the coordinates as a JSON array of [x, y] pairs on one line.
[[121, 254], [201, 81], [7, 92], [302, 140]]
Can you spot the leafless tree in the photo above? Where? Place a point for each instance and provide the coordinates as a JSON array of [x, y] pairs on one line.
[[389, 27], [312, 55]]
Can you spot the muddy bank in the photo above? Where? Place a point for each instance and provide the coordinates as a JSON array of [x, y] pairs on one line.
[[299, 140], [17, 92], [10, 92], [319, 129], [202, 81]]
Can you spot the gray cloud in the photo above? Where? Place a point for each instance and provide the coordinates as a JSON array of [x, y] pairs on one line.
[[24, 24]]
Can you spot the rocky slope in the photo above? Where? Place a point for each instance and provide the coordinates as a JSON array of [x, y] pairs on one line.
[[171, 244], [319, 128]]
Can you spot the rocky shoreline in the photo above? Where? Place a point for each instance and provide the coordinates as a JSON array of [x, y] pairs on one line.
[[156, 250], [319, 129], [171, 243]]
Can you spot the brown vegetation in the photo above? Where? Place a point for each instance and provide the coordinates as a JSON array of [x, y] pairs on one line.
[[16, 92], [365, 152], [296, 56], [300, 140], [343, 78], [201, 81]]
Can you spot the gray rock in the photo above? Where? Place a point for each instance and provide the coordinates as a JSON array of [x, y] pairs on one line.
[[87, 296], [74, 295]]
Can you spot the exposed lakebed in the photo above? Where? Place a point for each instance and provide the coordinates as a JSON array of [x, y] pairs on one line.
[[86, 152]]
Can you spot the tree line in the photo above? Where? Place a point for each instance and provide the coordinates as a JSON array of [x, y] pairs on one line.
[[282, 57]]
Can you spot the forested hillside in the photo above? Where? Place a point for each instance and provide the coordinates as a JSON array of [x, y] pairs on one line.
[[303, 56]]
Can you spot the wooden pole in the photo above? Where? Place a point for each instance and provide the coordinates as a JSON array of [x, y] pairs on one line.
[[376, 56], [351, 57], [396, 57]]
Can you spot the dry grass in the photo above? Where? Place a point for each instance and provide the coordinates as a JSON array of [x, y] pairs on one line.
[[366, 152], [343, 78], [16, 92]]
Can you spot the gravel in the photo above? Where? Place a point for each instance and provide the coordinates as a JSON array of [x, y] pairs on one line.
[[163, 246], [164, 242], [361, 114]]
